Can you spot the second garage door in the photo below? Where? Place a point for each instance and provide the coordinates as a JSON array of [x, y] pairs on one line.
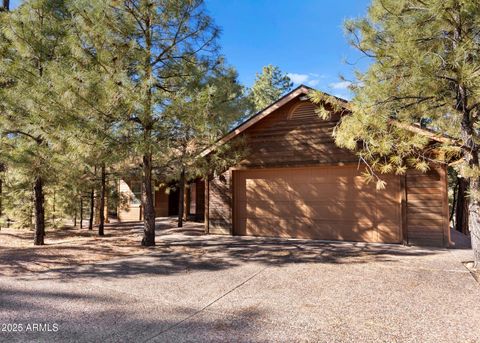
[[330, 203]]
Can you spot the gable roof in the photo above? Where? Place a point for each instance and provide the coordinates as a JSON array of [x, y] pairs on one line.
[[304, 90], [300, 90]]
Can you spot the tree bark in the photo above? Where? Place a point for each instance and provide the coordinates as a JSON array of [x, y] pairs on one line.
[[92, 209], [461, 209], [147, 195], [53, 208], [181, 205], [81, 212], [1, 197], [147, 200], [39, 212], [474, 224], [454, 202], [101, 225], [6, 5]]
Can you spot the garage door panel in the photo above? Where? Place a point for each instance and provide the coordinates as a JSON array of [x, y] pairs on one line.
[[388, 233], [329, 192], [316, 203], [275, 189], [347, 210], [259, 209]]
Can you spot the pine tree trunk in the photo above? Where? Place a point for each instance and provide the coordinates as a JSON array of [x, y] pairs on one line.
[[101, 225], [147, 200], [39, 212], [81, 212], [147, 195], [474, 223], [1, 197], [53, 208], [461, 210], [92, 207], [6, 5], [181, 205]]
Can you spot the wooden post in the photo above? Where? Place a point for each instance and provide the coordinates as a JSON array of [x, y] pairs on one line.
[[403, 195], [207, 206], [181, 202], [187, 199]]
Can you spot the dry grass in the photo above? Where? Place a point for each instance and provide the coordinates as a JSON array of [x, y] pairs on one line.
[[69, 246]]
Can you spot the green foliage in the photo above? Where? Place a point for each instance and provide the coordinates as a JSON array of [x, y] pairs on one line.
[[269, 86], [424, 73], [201, 114]]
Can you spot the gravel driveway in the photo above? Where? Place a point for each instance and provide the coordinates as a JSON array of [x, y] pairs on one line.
[[211, 288]]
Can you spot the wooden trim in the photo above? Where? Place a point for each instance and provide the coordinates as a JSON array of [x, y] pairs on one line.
[[435, 136], [446, 225], [404, 204], [298, 166], [255, 119], [207, 206], [233, 204]]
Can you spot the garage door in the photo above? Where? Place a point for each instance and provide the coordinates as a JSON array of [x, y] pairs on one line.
[[330, 203]]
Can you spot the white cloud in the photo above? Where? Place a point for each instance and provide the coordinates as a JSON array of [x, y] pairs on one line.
[[298, 78], [313, 83], [340, 85], [343, 96]]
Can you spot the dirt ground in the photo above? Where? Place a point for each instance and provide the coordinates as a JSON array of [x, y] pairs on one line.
[[69, 246], [194, 287]]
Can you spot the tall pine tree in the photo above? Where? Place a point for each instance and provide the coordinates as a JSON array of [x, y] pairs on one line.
[[168, 34], [424, 72], [29, 123]]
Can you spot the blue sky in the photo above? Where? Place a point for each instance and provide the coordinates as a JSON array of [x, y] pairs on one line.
[[304, 38]]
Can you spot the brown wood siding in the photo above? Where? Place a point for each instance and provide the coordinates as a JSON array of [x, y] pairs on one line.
[[161, 202], [220, 204], [200, 199], [294, 135], [427, 207], [330, 203]]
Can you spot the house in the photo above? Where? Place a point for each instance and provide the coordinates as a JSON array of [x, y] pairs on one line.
[[295, 182], [166, 200]]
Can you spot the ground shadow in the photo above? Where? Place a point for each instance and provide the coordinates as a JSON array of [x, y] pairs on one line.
[[183, 250]]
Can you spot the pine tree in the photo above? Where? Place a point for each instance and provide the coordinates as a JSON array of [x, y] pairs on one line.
[[198, 116], [91, 82], [5, 5], [424, 73], [164, 36], [269, 86], [29, 123]]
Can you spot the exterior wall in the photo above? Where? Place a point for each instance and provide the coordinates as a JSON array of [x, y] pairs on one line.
[[200, 200], [161, 202], [282, 140], [285, 140], [133, 212], [220, 204], [127, 211], [427, 207]]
